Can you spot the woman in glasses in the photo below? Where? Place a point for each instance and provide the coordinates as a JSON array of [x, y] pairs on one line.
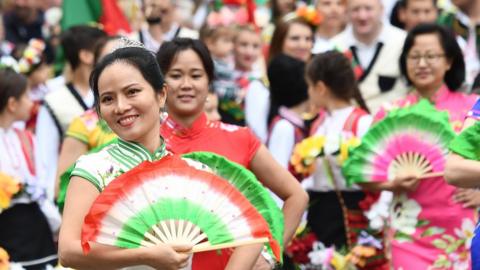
[[431, 228]]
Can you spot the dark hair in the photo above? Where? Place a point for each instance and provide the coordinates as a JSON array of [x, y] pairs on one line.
[[100, 44], [287, 83], [12, 84], [170, 49], [335, 71], [137, 57], [455, 76], [404, 3], [276, 15], [280, 33], [79, 38]]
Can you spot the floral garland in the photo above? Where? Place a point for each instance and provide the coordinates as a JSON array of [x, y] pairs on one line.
[[305, 153], [307, 13]]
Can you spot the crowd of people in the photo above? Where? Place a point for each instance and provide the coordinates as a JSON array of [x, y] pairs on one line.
[[250, 81]]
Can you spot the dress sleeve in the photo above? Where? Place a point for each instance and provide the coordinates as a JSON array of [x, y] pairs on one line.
[[78, 130], [85, 168]]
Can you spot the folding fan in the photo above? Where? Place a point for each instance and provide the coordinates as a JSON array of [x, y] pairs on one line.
[[169, 201], [411, 140], [467, 144]]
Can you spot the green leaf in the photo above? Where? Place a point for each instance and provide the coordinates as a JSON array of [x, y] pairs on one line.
[[422, 222], [432, 231], [442, 262], [402, 237], [449, 238], [439, 243]]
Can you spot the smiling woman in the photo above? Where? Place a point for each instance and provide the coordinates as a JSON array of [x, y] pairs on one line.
[[188, 70], [129, 93]]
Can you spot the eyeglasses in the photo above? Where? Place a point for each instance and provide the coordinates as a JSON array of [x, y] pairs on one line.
[[429, 58]]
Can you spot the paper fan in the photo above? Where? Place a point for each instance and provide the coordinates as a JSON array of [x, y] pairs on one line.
[[467, 144], [168, 201], [412, 140], [246, 182]]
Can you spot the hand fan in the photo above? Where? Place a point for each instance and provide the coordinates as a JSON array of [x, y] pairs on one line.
[[411, 140], [467, 144], [168, 201], [246, 182]]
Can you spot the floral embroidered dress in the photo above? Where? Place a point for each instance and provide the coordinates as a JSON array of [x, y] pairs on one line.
[[112, 161], [429, 229], [91, 130]]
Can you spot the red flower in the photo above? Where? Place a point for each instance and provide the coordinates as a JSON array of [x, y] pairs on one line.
[[300, 247]]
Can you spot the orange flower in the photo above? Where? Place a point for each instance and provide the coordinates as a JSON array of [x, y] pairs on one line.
[[8, 187]]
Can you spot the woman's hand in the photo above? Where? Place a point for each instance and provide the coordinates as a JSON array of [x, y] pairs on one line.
[[469, 198], [405, 183], [169, 257]]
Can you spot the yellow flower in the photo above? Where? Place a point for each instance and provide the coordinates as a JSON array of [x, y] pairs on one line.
[[305, 153], [359, 255], [345, 148], [8, 187], [339, 262], [4, 258]]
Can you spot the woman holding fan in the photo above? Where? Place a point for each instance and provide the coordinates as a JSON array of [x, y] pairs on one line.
[[129, 91], [430, 228], [188, 70]]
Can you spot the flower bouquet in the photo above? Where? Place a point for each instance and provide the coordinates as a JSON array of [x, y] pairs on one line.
[[306, 151]]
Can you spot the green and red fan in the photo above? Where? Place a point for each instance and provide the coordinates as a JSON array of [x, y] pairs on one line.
[[202, 199], [467, 144], [409, 141]]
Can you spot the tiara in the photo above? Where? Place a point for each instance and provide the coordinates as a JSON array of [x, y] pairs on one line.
[[124, 42], [308, 13], [9, 62], [32, 55]]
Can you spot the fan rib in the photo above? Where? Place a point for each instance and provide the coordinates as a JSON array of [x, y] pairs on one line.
[[206, 246]]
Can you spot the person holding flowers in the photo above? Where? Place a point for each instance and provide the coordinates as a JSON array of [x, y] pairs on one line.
[[21, 192], [331, 88]]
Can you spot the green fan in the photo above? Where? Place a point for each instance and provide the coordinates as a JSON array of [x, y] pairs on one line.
[[412, 140], [467, 144]]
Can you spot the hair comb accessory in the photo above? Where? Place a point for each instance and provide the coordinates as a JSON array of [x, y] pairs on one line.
[[9, 62], [308, 13]]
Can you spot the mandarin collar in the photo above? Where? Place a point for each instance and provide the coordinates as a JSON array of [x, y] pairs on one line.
[[138, 151], [179, 130]]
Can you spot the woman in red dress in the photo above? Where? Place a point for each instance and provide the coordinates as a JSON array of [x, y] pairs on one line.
[[188, 70]]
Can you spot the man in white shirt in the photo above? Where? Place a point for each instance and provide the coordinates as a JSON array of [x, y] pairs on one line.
[[375, 48], [161, 24]]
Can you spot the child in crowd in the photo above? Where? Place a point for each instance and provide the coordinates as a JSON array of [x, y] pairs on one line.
[[34, 64], [24, 230], [332, 88]]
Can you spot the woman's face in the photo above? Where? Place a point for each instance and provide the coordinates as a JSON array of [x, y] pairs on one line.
[[187, 83], [247, 49], [298, 42], [426, 62], [333, 11], [128, 103]]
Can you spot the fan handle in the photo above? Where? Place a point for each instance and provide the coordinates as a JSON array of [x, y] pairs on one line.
[[205, 246], [431, 175]]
